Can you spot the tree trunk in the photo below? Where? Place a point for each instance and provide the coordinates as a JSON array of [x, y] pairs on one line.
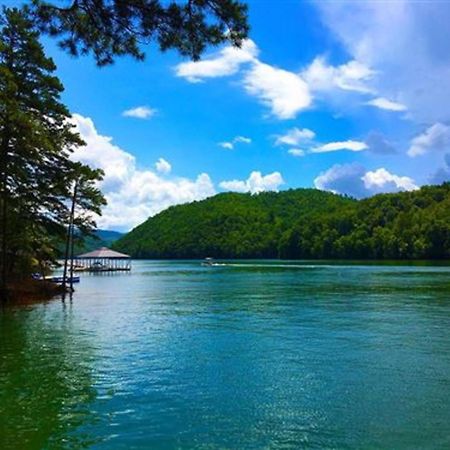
[[4, 214], [72, 245], [69, 234]]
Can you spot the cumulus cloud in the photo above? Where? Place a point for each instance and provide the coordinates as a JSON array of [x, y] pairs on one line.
[[295, 136], [140, 112], [284, 92], [434, 138], [100, 152], [381, 180], [353, 146], [352, 76], [296, 152], [255, 183], [133, 194], [163, 166], [224, 63], [353, 179], [229, 145], [381, 66], [384, 103], [380, 36]]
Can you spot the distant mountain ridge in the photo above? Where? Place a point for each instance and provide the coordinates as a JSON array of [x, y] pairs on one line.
[[299, 223], [108, 236]]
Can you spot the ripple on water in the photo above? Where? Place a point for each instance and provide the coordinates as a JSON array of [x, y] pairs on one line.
[[253, 355]]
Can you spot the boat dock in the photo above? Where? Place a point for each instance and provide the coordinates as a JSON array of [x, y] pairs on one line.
[[102, 260]]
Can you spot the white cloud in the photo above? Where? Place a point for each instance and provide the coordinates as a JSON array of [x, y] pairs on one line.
[[296, 152], [379, 179], [284, 92], [140, 112], [224, 63], [238, 139], [163, 166], [295, 136], [352, 76], [226, 145], [381, 66], [384, 103], [434, 138], [255, 183], [354, 146], [101, 152], [353, 179], [132, 194], [242, 139], [406, 43]]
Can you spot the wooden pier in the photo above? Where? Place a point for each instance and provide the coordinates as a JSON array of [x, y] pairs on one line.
[[102, 260]]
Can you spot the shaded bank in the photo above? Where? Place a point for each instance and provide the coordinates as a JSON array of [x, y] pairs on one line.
[[30, 291]]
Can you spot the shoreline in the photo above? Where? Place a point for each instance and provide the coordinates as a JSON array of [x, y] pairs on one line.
[[369, 262], [27, 292], [31, 291]]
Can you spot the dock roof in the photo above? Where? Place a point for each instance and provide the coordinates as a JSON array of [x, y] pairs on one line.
[[104, 252]]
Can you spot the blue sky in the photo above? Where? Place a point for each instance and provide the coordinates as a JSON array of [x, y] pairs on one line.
[[344, 96]]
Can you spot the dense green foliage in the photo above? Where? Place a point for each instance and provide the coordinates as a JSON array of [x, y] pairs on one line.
[[110, 28], [227, 225], [36, 139], [302, 223]]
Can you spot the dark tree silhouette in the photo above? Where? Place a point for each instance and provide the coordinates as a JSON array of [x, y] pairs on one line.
[[36, 139], [110, 28]]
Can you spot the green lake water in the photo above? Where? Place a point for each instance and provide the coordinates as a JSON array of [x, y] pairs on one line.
[[245, 356]]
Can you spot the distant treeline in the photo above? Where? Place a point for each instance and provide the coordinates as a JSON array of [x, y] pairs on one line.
[[83, 244], [297, 224]]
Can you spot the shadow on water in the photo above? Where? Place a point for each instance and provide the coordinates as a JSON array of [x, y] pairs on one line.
[[45, 379]]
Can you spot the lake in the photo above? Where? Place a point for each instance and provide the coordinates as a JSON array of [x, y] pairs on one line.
[[249, 355]]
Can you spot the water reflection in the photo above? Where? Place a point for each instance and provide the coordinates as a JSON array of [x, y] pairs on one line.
[[46, 384]]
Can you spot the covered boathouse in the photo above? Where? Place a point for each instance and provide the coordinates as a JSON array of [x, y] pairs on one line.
[[102, 260]]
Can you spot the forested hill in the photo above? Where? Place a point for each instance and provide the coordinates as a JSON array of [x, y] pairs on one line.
[[301, 223], [227, 225], [101, 238]]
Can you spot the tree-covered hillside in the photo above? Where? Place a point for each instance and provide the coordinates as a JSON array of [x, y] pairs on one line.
[[227, 225], [302, 223], [407, 225]]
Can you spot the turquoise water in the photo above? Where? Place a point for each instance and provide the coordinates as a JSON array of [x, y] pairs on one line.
[[251, 355]]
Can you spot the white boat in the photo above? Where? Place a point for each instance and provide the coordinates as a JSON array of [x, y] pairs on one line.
[[208, 262]]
